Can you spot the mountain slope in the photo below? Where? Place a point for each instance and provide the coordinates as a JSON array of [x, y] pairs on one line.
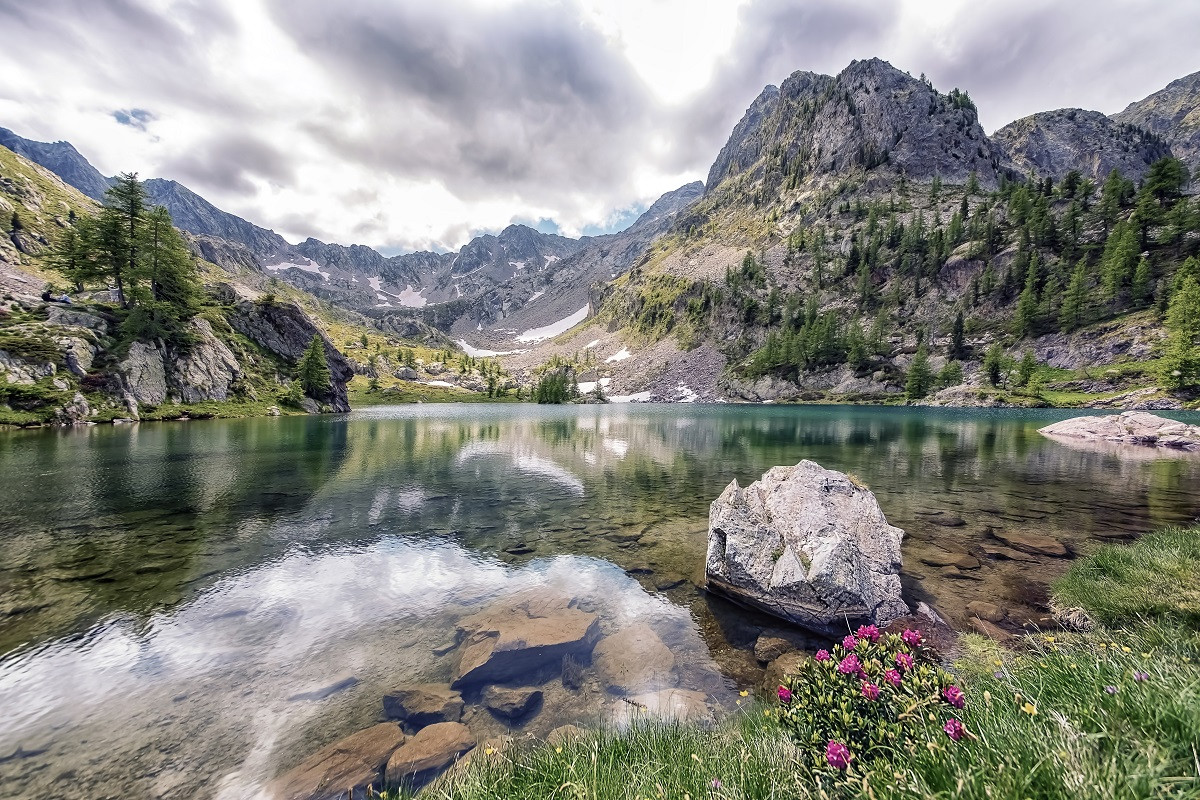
[[1056, 142], [192, 213], [62, 159], [1172, 113]]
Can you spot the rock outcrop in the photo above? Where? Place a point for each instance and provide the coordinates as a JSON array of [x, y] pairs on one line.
[[1173, 113], [806, 544], [1131, 427], [1055, 142], [343, 769], [284, 329]]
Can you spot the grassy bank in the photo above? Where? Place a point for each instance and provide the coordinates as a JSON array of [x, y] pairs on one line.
[[1110, 713]]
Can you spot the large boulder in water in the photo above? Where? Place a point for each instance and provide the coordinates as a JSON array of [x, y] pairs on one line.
[[806, 544], [1131, 427]]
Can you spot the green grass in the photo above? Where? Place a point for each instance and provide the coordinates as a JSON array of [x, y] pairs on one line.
[[415, 392], [1159, 576], [1111, 714]]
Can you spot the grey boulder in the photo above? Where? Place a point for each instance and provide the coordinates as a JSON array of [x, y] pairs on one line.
[[808, 545]]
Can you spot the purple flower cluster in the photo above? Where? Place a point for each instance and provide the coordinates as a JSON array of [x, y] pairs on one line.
[[837, 754]]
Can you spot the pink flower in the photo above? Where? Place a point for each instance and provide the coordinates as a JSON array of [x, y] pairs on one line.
[[849, 665], [1141, 676], [849, 642], [822, 655], [1110, 689], [785, 694], [837, 754], [911, 637], [868, 632], [954, 696], [904, 661], [954, 729], [892, 677], [715, 784], [870, 690]]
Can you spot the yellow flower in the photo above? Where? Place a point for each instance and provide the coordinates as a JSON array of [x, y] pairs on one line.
[[1103, 646], [744, 693], [987, 696], [1126, 650], [1145, 655], [1030, 709], [1049, 638], [766, 712], [487, 751], [998, 663], [558, 749]]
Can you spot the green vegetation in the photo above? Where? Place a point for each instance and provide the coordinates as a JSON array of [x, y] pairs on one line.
[[1157, 578], [1112, 713], [312, 373]]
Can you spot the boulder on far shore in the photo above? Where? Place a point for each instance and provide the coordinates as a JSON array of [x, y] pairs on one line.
[[806, 544], [1131, 427]]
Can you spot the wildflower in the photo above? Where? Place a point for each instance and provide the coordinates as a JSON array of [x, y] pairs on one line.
[[1110, 689], [1141, 676], [1030, 709], [954, 729], [744, 693], [487, 751], [998, 663], [868, 632], [1145, 655], [870, 690], [997, 674], [1126, 650], [837, 754], [715, 784], [849, 665], [1049, 638], [892, 677], [987, 696], [849, 642], [904, 661], [954, 696], [911, 637], [785, 694], [822, 655], [558, 749], [766, 712]]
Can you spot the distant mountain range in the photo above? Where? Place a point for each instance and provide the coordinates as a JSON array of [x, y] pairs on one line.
[[863, 129]]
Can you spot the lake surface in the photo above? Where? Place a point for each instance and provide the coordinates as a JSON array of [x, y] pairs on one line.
[[178, 600]]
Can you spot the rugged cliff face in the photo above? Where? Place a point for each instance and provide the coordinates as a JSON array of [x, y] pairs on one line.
[[1056, 142], [1172, 113]]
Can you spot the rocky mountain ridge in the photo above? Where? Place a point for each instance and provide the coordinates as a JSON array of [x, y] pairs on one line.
[[1172, 113]]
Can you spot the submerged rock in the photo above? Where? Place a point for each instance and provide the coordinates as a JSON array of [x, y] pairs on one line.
[[634, 660], [808, 545], [525, 634], [1131, 427], [511, 704], [343, 769], [432, 749], [423, 704], [1032, 543]]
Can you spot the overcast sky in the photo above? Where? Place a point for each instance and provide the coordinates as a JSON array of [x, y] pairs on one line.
[[415, 125]]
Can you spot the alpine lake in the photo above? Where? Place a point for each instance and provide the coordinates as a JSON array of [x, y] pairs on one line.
[[189, 609]]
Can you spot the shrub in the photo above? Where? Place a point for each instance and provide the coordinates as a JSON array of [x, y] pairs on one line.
[[872, 697]]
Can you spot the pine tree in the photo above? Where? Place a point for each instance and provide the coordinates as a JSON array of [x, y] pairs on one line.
[[993, 364], [1141, 282], [956, 337], [1120, 257], [313, 370], [1025, 368], [1180, 364], [1028, 303], [920, 377], [1071, 315]]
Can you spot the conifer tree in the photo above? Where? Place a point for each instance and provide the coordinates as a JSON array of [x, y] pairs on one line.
[[1180, 364], [1071, 315], [313, 370], [920, 377]]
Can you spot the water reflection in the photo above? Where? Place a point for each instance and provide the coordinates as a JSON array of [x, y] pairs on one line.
[[164, 589]]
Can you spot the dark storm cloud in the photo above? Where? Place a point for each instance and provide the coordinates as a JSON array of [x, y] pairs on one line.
[[480, 99], [228, 162]]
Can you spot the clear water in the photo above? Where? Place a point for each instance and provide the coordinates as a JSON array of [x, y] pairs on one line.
[[168, 590]]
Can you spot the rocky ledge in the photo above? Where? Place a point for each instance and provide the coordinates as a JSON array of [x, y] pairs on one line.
[[1131, 427], [806, 544]]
